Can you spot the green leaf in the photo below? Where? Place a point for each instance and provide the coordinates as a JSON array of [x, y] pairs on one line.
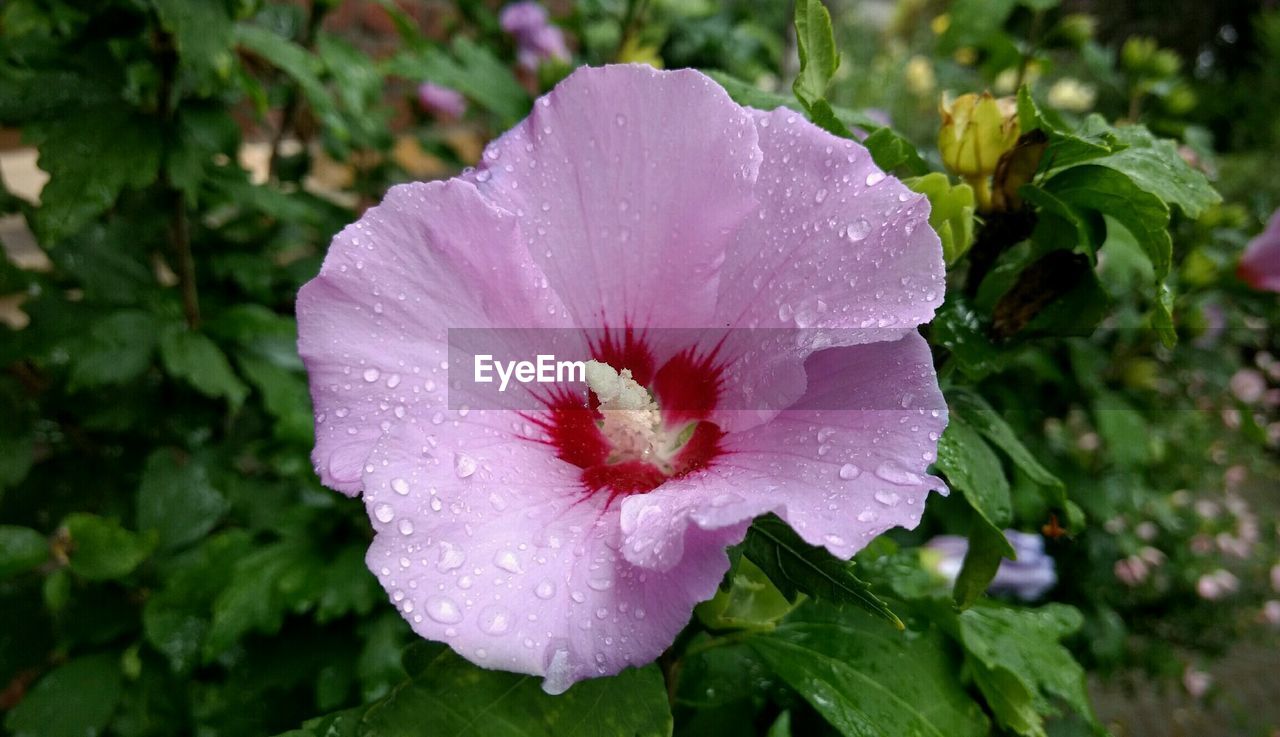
[[958, 328], [76, 699], [175, 618], [1155, 167], [1065, 148], [816, 43], [21, 549], [974, 22], [203, 132], [177, 500], [752, 601], [978, 413], [202, 33], [890, 150], [101, 549], [303, 67], [951, 210], [971, 466], [796, 567], [453, 697], [867, 680], [116, 349], [1144, 215], [1123, 430], [1026, 662], [196, 359], [17, 453], [1010, 701], [284, 394], [265, 585], [91, 156], [987, 548], [471, 69]]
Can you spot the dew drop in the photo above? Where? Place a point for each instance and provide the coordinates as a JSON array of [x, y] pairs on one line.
[[545, 590], [384, 512], [495, 620], [400, 486], [443, 610], [887, 498], [875, 178], [371, 375], [463, 465], [507, 561], [406, 527], [858, 230], [896, 474], [849, 471], [450, 558]]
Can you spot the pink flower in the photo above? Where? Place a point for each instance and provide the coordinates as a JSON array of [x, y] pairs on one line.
[[440, 101], [1248, 385], [1131, 571], [537, 39], [523, 531], [1217, 584], [1260, 265], [1196, 681]]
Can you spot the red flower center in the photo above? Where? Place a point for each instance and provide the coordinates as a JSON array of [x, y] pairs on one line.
[[686, 389]]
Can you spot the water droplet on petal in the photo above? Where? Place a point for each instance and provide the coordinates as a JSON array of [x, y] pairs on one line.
[[887, 498], [895, 474], [495, 620], [545, 590], [384, 513], [450, 558], [371, 374], [463, 465], [858, 230], [443, 610], [400, 486], [849, 471], [507, 561]]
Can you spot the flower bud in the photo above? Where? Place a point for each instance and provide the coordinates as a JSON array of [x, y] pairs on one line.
[[1078, 28], [976, 130]]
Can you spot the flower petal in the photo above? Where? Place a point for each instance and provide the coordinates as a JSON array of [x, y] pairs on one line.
[[1260, 265], [836, 242], [845, 463], [628, 181], [372, 327], [487, 542]]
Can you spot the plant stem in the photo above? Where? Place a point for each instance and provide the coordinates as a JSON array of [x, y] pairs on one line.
[[181, 241], [179, 226], [293, 103]]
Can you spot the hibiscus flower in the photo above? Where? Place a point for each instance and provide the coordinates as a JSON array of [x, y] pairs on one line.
[[1260, 265], [758, 278]]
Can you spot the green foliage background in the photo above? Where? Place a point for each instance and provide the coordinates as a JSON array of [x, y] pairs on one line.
[[169, 563]]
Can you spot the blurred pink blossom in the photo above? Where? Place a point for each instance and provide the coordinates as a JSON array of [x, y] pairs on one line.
[[441, 101], [1215, 585], [1248, 385], [1260, 265], [1196, 681]]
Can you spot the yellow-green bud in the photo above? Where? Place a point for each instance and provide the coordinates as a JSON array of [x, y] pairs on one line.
[[976, 130], [1078, 28], [1137, 52]]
